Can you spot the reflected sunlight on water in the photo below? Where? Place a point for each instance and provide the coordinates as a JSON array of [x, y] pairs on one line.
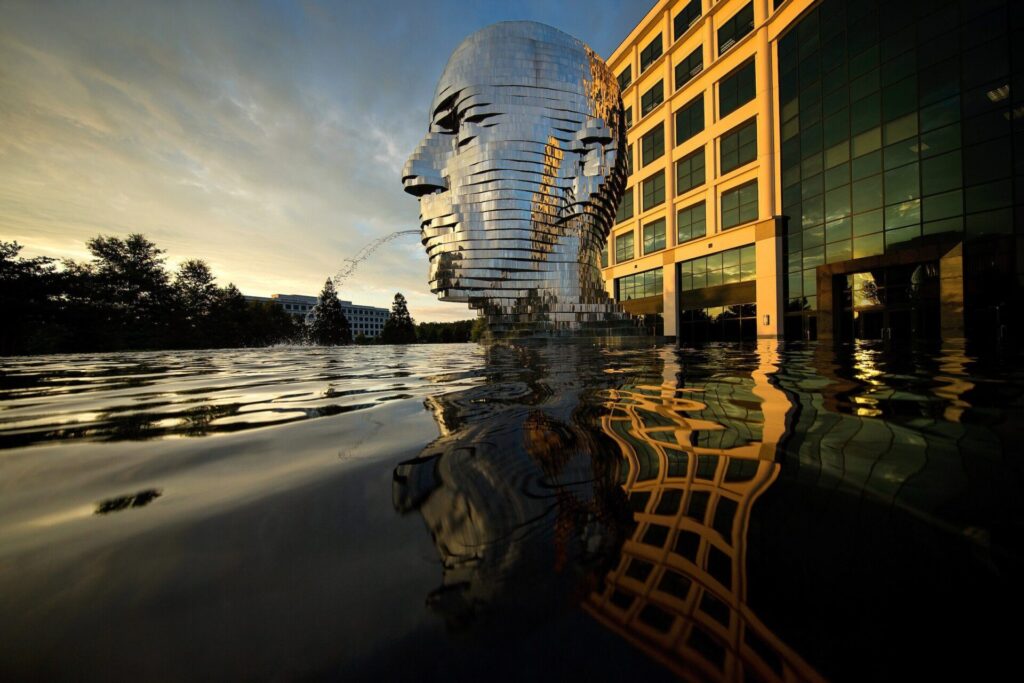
[[112, 397]]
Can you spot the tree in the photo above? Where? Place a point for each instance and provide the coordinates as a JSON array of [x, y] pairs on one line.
[[29, 290], [195, 296], [125, 299], [194, 285], [399, 328], [131, 290], [329, 326], [444, 333]]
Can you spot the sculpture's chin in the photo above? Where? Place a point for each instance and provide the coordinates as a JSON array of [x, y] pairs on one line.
[[453, 295]]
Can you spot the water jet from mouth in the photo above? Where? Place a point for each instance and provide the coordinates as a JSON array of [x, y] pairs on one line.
[[349, 269]]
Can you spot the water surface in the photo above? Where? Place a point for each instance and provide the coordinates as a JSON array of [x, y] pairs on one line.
[[543, 511]]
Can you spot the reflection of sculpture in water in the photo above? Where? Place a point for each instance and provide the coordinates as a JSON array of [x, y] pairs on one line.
[[523, 494], [523, 509], [518, 179], [697, 460]]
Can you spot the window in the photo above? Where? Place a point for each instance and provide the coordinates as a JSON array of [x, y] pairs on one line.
[[689, 67], [652, 98], [736, 89], [652, 145], [739, 146], [691, 223], [690, 172], [654, 236], [650, 53], [629, 117], [739, 205], [629, 160], [685, 19], [740, 25], [624, 247], [625, 210], [604, 255], [690, 120], [654, 190], [639, 285], [625, 78], [724, 268]]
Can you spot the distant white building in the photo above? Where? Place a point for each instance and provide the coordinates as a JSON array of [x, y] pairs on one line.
[[365, 320]]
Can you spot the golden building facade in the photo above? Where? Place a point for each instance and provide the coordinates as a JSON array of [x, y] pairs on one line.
[[784, 152], [698, 79]]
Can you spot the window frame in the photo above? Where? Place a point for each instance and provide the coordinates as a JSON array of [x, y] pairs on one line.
[[735, 134], [735, 81], [625, 75], [691, 69], [702, 205], [653, 239], [733, 25], [619, 250], [680, 190], [650, 100], [647, 56], [685, 15], [630, 282], [742, 219], [648, 181], [687, 114], [655, 136], [619, 217]]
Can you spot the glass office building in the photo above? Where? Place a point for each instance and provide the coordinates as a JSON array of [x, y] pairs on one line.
[[868, 155]]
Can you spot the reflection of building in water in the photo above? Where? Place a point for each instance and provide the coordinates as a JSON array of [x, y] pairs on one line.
[[865, 427], [697, 459]]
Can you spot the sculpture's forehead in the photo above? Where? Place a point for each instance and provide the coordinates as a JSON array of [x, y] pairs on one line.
[[489, 59]]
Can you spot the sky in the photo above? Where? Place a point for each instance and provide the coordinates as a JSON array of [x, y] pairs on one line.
[[265, 138]]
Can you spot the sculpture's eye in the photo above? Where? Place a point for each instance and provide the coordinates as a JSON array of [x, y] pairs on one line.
[[450, 121]]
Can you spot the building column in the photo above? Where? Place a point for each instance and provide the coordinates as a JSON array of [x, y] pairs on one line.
[[951, 293], [670, 299], [765, 125], [768, 251], [826, 304]]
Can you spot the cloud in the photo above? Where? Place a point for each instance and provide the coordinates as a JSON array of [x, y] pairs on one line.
[[266, 139]]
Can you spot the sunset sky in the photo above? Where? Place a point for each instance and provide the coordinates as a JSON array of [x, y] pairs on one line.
[[266, 138]]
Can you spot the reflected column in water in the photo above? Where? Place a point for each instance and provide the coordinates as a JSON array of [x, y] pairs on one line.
[[698, 456]]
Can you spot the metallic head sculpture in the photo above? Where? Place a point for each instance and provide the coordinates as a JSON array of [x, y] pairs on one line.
[[518, 179]]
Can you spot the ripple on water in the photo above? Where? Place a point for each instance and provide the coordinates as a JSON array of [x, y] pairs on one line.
[[154, 395]]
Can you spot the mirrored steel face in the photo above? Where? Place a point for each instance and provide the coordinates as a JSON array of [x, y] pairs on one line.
[[518, 179]]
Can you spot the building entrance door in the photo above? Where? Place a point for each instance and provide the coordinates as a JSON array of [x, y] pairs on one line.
[[898, 303]]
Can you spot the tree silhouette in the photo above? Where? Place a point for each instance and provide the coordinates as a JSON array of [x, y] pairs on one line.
[[329, 326], [124, 298], [399, 328], [28, 289], [129, 289]]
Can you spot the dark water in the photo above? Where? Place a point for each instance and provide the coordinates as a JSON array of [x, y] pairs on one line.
[[563, 511]]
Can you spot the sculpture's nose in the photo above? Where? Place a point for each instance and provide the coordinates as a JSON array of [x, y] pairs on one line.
[[422, 172]]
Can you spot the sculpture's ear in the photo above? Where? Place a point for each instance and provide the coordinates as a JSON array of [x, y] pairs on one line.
[[594, 132], [596, 154], [594, 145]]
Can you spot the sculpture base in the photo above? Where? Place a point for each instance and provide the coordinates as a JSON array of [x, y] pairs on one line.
[[617, 325]]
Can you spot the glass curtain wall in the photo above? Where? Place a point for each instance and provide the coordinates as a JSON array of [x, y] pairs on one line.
[[900, 121]]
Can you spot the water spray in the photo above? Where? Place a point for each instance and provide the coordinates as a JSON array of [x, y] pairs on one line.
[[351, 264]]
